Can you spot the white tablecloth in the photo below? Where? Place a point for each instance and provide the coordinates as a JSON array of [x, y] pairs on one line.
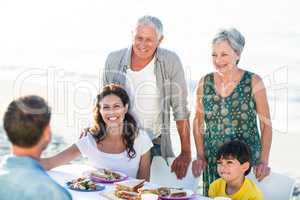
[[66, 173]]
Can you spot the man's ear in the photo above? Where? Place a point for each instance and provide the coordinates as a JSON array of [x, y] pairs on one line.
[[47, 133], [160, 40]]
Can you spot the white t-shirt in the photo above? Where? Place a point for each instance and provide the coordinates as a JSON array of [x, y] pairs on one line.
[[144, 97], [119, 162]]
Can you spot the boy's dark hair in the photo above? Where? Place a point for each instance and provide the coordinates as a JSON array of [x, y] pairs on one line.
[[235, 149], [25, 120]]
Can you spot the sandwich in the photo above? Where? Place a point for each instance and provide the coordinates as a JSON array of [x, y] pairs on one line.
[[128, 195], [130, 185], [177, 192], [129, 189]]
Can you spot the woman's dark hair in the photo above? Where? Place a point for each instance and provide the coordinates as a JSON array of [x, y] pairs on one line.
[[235, 149], [130, 130]]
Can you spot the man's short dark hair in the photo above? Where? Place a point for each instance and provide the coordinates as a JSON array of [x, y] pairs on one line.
[[25, 120], [237, 150]]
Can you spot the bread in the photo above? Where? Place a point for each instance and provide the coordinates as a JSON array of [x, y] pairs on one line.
[[177, 193], [129, 189], [128, 195], [130, 185]]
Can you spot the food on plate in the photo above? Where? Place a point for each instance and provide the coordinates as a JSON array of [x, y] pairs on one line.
[[82, 183], [130, 185], [129, 189], [128, 195], [165, 192], [177, 193], [106, 174]]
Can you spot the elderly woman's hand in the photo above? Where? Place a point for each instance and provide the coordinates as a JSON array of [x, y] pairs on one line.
[[198, 166], [261, 170]]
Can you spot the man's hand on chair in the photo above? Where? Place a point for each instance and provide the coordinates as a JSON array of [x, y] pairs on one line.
[[181, 164]]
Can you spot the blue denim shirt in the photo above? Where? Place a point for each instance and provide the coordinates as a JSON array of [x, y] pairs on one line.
[[24, 178]]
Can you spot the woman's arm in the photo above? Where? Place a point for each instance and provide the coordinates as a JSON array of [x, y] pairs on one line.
[[262, 109], [144, 167], [62, 158], [198, 131]]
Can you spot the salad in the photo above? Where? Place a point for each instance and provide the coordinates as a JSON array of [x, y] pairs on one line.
[[82, 184]]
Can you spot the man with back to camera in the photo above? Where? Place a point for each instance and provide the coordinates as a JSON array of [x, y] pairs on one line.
[[26, 123], [154, 79]]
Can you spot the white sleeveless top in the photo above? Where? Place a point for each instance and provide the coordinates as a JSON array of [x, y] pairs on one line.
[[119, 162]]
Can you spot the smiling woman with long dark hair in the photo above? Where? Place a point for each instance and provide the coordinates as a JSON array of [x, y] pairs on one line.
[[112, 138], [99, 127]]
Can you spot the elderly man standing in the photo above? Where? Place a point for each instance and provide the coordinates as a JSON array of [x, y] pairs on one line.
[[154, 79], [26, 123]]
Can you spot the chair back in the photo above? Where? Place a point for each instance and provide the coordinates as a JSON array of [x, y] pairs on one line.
[[275, 186], [161, 175]]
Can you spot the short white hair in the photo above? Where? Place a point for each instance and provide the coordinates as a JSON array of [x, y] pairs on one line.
[[235, 39], [147, 20]]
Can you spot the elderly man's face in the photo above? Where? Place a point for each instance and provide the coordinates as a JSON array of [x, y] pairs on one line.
[[145, 42]]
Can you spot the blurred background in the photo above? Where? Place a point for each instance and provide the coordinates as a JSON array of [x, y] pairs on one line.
[[57, 49]]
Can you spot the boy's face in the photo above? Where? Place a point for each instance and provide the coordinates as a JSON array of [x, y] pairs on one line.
[[231, 169]]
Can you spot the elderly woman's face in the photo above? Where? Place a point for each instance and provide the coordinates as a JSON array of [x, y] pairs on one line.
[[224, 57], [145, 42]]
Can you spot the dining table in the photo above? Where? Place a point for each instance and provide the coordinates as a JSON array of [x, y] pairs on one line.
[[66, 173]]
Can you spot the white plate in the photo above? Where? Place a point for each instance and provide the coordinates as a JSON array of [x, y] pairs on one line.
[[103, 180]]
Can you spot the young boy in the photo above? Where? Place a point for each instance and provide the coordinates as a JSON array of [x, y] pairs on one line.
[[233, 160]]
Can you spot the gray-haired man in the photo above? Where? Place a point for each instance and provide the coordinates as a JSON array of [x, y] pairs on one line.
[[154, 79]]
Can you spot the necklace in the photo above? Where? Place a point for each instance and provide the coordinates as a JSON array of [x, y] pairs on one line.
[[232, 79]]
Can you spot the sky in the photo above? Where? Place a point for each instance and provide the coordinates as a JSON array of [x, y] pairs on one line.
[[77, 35]]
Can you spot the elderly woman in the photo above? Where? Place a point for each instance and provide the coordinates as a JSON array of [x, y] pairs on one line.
[[228, 103]]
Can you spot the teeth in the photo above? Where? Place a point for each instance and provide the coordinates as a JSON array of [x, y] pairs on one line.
[[112, 118]]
